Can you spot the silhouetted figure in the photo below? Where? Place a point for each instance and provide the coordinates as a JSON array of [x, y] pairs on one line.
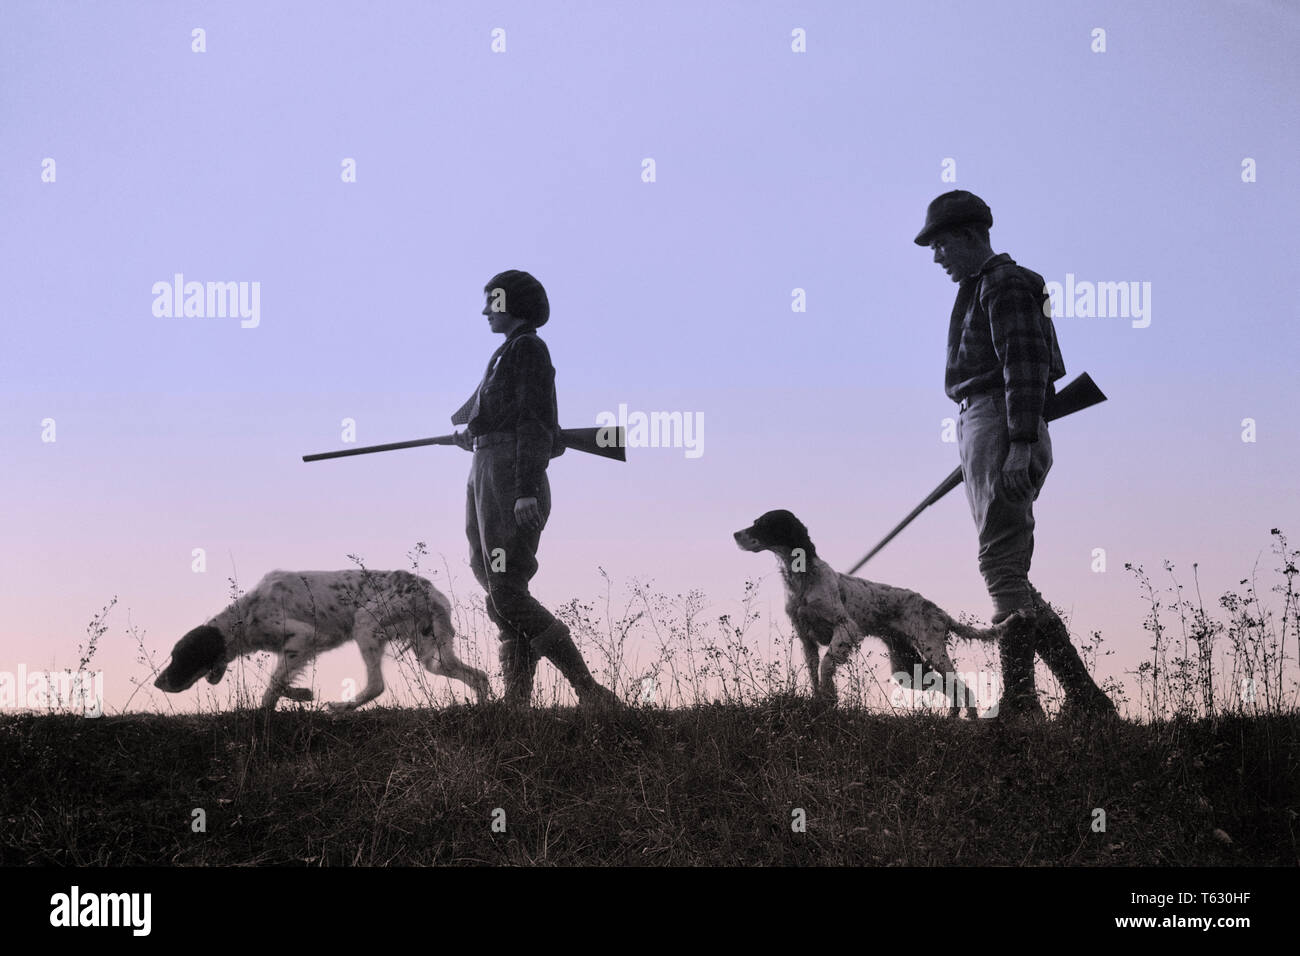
[[513, 430], [1003, 359]]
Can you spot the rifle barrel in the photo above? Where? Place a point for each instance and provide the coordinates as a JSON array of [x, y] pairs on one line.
[[608, 442], [391, 446], [949, 483]]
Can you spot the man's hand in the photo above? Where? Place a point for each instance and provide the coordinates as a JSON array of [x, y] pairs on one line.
[[464, 439], [527, 514], [1015, 472]]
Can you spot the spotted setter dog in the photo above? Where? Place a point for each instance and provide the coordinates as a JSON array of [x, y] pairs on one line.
[[298, 614], [834, 610]]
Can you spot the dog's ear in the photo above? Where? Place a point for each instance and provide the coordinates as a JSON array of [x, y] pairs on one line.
[[209, 644], [791, 527], [783, 528]]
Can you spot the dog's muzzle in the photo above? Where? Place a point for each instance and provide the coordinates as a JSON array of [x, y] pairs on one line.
[[171, 685]]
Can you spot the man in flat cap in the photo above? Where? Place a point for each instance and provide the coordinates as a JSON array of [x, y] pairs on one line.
[[1003, 359], [512, 426]]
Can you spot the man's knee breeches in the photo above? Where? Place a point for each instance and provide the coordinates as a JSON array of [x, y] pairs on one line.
[[1005, 527]]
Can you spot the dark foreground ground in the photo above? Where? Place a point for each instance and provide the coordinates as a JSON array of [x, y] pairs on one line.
[[707, 785]]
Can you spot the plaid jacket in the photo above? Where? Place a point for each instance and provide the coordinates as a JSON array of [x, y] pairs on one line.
[[1000, 336], [517, 395]]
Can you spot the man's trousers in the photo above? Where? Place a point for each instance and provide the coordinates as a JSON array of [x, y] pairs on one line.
[[1005, 527]]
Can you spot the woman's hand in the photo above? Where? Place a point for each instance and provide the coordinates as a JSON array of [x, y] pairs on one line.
[[528, 514]]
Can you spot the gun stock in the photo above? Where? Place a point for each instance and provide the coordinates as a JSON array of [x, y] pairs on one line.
[[607, 442], [1080, 394]]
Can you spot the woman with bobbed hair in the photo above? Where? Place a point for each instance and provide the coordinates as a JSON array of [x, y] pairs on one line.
[[512, 426]]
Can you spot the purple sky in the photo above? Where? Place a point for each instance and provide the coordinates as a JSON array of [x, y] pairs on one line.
[[775, 170]]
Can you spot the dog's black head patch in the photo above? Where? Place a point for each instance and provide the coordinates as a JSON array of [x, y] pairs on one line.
[[776, 530], [201, 651]]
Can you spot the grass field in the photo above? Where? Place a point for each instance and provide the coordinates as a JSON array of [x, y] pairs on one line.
[[713, 784]]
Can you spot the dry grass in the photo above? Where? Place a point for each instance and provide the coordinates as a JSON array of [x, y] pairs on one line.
[[715, 784]]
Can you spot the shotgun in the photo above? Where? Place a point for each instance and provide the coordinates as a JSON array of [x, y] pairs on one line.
[[1080, 394], [607, 442]]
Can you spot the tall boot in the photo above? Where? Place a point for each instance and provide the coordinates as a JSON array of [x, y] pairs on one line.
[[1083, 698], [517, 667], [1016, 649], [556, 645]]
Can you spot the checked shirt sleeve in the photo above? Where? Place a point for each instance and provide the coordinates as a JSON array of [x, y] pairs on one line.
[[1025, 350]]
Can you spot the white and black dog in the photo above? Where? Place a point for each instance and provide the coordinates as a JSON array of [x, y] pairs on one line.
[[834, 610], [298, 614]]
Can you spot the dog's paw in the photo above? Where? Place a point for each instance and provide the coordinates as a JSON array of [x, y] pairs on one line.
[[340, 706], [825, 697], [298, 693]]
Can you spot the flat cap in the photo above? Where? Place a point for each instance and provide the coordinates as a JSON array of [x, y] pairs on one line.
[[956, 208]]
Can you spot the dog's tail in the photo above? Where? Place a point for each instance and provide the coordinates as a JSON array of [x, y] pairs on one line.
[[969, 633]]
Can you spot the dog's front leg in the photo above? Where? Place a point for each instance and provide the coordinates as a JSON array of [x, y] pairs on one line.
[[279, 687], [292, 660], [372, 653], [812, 657], [275, 690], [844, 641]]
